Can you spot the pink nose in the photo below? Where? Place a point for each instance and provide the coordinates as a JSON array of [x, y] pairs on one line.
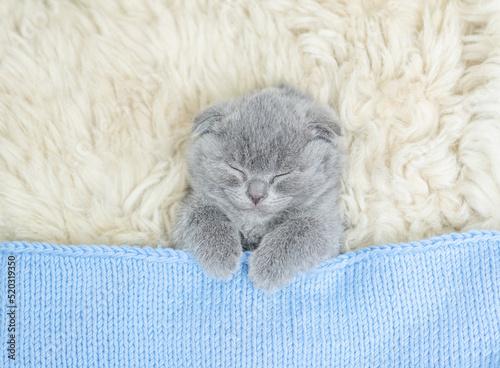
[[257, 191], [257, 198]]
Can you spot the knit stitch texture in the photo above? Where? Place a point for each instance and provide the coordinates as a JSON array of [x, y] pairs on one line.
[[433, 303]]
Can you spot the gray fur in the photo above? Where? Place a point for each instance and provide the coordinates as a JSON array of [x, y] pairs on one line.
[[264, 174]]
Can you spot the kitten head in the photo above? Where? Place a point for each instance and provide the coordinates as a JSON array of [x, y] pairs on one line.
[[265, 152]]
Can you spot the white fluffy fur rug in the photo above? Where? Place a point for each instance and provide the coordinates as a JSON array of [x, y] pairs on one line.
[[97, 97]]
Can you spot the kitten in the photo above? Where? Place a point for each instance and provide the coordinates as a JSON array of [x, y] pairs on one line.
[[264, 174]]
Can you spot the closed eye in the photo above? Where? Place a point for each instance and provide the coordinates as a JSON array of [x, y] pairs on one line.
[[236, 169], [278, 176]]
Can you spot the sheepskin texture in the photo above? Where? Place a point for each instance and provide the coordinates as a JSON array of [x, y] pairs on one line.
[[97, 99]]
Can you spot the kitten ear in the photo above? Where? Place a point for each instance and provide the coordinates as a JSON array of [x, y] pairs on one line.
[[206, 120], [324, 132], [324, 124], [322, 120]]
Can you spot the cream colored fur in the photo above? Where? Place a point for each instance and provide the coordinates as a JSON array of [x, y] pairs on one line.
[[97, 97]]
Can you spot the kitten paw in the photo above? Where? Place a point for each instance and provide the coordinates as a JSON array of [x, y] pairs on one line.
[[221, 259], [268, 271]]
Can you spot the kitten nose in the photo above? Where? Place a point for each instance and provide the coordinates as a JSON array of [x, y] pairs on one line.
[[257, 191], [257, 198]]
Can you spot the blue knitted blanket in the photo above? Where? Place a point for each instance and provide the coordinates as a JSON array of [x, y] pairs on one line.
[[434, 303]]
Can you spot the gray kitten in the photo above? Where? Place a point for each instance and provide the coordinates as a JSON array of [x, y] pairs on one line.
[[264, 174]]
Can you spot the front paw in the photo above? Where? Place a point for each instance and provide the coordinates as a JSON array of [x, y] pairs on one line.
[[219, 256], [297, 246], [270, 268]]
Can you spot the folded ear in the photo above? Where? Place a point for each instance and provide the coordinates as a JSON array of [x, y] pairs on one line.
[[324, 124], [205, 121], [324, 132], [322, 120]]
